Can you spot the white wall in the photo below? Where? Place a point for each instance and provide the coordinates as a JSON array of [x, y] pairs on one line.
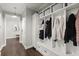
[[10, 23], [27, 28], [35, 28], [2, 33], [24, 31], [2, 41], [3, 27]]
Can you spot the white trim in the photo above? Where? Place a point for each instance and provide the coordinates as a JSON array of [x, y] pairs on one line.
[[20, 41], [26, 47], [29, 47], [2, 46]]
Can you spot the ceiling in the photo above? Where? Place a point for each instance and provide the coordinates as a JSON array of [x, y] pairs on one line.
[[20, 7]]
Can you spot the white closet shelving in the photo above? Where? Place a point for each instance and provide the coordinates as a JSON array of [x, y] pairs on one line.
[[47, 45]]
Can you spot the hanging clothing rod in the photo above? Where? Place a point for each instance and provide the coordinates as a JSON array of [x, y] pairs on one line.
[[47, 7]]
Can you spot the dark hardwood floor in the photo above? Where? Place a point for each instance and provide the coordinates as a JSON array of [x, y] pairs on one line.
[[33, 52], [14, 48]]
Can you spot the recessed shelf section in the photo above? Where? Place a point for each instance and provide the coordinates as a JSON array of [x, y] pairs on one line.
[[57, 6], [45, 16], [72, 6], [41, 14], [47, 11]]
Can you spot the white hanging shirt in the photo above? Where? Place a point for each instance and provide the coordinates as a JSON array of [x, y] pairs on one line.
[[59, 27]]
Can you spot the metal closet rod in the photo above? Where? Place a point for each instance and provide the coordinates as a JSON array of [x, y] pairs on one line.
[[47, 7]]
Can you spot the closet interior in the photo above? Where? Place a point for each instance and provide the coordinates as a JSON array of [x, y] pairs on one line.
[[56, 30]]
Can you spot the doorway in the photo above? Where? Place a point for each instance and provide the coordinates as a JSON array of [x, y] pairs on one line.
[[12, 26]]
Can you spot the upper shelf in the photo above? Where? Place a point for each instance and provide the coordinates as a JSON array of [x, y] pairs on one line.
[[72, 6], [45, 16], [75, 5]]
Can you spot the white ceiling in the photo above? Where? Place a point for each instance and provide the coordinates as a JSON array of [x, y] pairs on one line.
[[20, 7]]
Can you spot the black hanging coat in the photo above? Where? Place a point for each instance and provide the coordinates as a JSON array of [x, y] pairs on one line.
[[48, 29], [41, 34], [70, 33]]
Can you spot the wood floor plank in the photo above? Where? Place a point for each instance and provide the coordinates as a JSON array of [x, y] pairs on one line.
[[14, 48]]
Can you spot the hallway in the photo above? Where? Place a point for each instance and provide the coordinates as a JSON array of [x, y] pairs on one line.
[[14, 48], [16, 20], [39, 29]]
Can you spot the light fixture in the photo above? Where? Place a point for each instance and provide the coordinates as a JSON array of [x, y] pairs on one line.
[[14, 16]]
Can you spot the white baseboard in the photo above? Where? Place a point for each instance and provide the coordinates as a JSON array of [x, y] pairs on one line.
[[29, 47], [26, 47], [1, 48], [20, 41]]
